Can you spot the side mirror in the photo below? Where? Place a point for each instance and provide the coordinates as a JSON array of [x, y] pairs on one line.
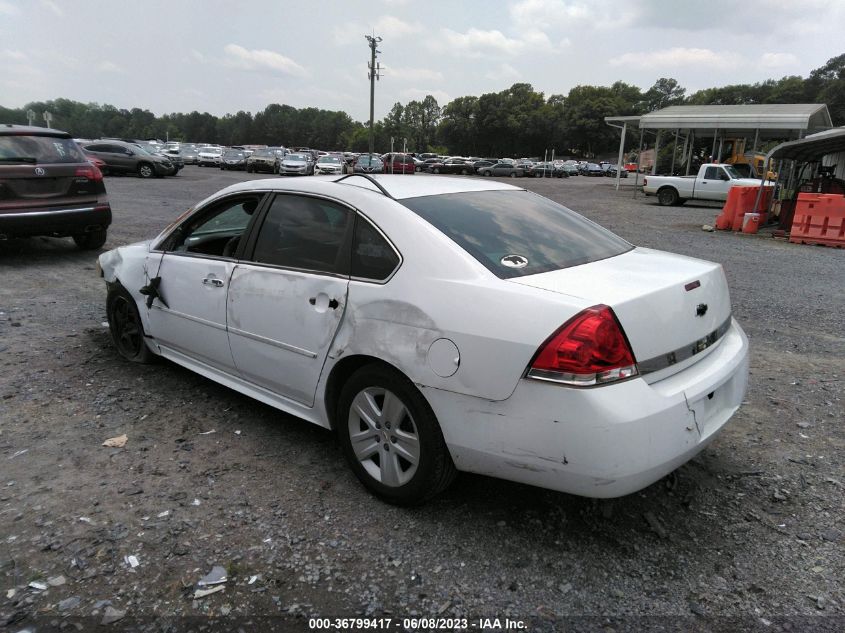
[[129, 152]]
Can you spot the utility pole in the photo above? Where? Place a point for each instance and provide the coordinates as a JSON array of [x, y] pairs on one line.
[[373, 75]]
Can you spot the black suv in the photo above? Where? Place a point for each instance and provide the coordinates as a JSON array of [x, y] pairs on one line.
[[48, 187]]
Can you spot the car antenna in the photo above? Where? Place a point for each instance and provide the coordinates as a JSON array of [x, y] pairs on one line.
[[371, 179]]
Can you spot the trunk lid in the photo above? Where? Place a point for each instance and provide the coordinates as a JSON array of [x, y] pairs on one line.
[[658, 297]]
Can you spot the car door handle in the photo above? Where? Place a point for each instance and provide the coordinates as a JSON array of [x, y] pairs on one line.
[[210, 281], [333, 303]]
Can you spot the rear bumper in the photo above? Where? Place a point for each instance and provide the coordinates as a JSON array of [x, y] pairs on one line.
[[602, 442], [55, 221]]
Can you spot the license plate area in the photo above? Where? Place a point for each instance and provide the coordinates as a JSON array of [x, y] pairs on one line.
[[714, 407]]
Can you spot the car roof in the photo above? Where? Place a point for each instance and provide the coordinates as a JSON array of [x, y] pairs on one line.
[[10, 129], [399, 187]]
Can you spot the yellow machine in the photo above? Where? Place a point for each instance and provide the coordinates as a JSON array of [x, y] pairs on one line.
[[750, 164]]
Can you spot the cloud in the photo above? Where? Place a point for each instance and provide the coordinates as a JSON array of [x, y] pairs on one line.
[[676, 58], [558, 13], [571, 14], [55, 8], [259, 59], [503, 72], [412, 74], [109, 67], [477, 43], [17, 56], [7, 8], [197, 56], [387, 27], [778, 60]]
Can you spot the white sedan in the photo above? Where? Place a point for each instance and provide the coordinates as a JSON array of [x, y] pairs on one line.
[[328, 165], [441, 325]]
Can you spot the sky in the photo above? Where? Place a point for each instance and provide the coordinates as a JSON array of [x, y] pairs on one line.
[[222, 57]]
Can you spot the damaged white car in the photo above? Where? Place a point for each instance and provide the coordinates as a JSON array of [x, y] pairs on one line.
[[441, 325]]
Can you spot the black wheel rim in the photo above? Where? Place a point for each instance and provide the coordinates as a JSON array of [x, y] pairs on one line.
[[126, 327]]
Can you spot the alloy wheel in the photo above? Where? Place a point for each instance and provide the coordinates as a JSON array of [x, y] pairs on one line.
[[384, 436]]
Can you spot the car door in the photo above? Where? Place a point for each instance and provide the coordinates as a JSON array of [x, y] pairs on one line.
[[287, 296], [187, 315], [713, 186]]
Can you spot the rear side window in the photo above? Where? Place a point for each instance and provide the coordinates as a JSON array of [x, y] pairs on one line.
[[39, 149], [517, 233], [372, 256], [305, 233]]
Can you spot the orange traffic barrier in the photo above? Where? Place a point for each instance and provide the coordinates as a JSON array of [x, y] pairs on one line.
[[819, 219], [740, 201]]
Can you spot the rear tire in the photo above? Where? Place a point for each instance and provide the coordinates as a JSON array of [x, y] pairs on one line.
[[488, 173], [667, 197], [513, 174], [90, 241], [391, 438], [125, 326]]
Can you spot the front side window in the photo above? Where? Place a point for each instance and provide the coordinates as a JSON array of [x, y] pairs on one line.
[[517, 233], [304, 233], [216, 231]]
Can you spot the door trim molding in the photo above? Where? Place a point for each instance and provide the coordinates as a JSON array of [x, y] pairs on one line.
[[273, 342]]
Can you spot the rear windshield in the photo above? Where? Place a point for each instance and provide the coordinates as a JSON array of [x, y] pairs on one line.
[[39, 149], [517, 233]]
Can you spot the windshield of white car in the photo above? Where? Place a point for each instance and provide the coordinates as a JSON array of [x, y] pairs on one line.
[[328, 159], [517, 233], [732, 172], [295, 157]]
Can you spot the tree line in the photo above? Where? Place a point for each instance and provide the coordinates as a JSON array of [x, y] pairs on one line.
[[518, 121]]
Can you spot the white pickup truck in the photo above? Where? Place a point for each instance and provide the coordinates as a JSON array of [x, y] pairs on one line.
[[712, 183]]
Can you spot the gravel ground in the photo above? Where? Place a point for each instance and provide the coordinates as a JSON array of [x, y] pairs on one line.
[[747, 536]]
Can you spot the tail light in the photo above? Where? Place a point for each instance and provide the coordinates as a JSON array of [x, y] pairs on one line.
[[589, 349], [91, 172]]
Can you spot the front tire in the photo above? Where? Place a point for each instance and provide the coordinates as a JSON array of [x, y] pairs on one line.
[[488, 173], [667, 197], [436, 170], [125, 326], [391, 438]]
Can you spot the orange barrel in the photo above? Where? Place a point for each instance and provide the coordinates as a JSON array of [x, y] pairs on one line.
[[750, 222]]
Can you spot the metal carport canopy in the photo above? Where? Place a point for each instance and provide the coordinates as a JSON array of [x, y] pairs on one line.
[[812, 147], [771, 119], [763, 121]]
